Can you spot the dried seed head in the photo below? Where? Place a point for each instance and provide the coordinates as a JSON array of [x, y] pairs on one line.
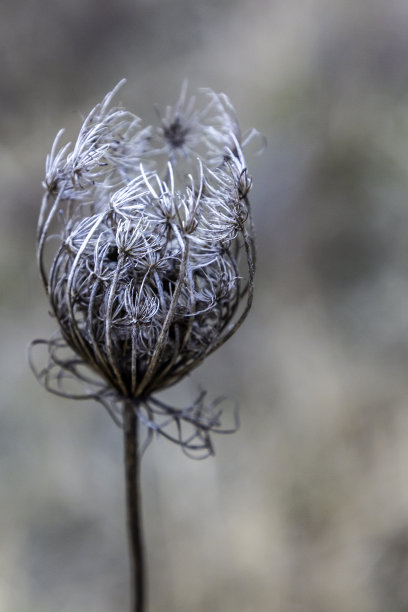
[[151, 269]]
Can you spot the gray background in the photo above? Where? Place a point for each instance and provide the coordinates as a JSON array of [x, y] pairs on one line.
[[305, 509]]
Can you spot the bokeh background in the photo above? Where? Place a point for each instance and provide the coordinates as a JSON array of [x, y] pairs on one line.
[[305, 509]]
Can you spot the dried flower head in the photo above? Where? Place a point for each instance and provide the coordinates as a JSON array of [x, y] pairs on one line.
[[146, 251]]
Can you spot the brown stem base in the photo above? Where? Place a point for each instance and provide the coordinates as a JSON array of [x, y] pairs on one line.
[[134, 508]]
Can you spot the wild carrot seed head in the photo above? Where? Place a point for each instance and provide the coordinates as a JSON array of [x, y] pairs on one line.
[[152, 263]]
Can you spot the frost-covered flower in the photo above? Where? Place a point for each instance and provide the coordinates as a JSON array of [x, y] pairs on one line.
[[148, 266]]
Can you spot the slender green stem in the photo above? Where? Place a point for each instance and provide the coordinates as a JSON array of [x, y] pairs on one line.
[[134, 508]]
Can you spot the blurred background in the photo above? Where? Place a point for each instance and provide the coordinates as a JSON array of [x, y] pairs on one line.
[[305, 509]]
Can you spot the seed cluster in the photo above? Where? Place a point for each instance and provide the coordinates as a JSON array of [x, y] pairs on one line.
[[152, 257]]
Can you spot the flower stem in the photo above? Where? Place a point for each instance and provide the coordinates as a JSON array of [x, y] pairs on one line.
[[133, 507]]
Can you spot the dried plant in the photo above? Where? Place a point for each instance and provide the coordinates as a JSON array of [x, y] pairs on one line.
[[145, 248]]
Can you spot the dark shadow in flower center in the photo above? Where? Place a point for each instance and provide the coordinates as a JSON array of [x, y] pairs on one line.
[[112, 254], [176, 133]]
